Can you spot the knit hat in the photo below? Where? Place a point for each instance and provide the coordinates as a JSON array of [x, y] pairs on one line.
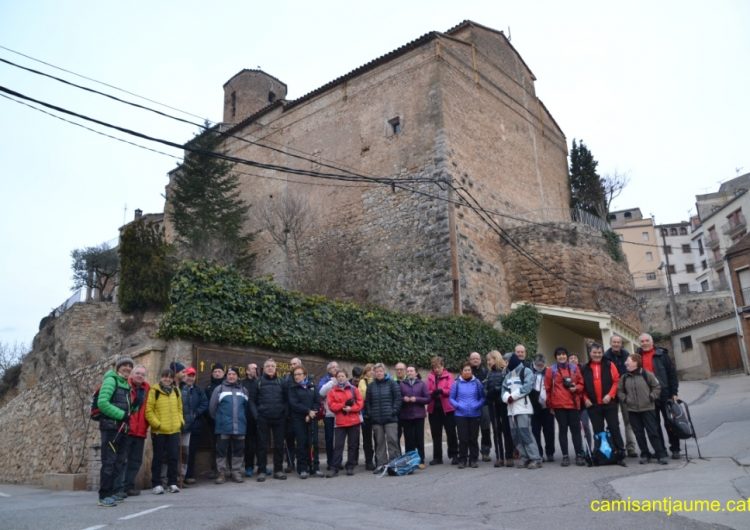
[[513, 362], [217, 365], [123, 360], [232, 369], [357, 371], [176, 367]]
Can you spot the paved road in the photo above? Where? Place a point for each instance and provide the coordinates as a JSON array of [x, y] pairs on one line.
[[441, 496]]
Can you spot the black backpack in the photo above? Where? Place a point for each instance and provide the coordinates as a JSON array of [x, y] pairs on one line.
[[678, 418]]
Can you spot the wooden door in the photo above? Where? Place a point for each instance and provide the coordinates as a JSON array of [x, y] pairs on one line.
[[724, 355]]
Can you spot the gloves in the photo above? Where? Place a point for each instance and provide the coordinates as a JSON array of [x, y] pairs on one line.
[[349, 402], [437, 393], [510, 400]]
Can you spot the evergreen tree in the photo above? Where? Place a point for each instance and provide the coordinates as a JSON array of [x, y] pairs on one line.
[[586, 188], [95, 268], [206, 209], [145, 267]]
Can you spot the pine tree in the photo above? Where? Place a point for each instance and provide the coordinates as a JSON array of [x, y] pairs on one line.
[[146, 267], [206, 209], [586, 188]]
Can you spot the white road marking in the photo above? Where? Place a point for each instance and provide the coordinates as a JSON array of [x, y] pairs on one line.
[[4, 494], [97, 527], [144, 512]]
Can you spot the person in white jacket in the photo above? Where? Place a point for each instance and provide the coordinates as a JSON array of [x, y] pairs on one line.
[[516, 389]]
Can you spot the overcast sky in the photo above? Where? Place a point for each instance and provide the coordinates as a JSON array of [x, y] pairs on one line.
[[657, 90]]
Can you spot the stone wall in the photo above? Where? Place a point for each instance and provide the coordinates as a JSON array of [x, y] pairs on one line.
[[691, 308], [84, 334], [585, 275]]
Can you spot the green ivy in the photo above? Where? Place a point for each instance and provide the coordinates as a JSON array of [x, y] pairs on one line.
[[614, 247], [216, 304], [523, 322]]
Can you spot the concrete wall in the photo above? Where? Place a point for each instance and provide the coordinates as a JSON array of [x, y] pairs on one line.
[[691, 308], [693, 363]]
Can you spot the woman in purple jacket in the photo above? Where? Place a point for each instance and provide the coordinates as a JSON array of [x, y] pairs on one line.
[[415, 397], [467, 397]]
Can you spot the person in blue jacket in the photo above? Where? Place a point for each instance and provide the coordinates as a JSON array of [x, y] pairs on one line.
[[467, 397]]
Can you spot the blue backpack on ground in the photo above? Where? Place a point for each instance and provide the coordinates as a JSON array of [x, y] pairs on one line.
[[604, 452], [404, 464]]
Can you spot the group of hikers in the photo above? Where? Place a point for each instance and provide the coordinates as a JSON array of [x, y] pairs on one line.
[[513, 401]]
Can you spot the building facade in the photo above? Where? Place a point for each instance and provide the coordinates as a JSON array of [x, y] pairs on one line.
[[451, 120], [641, 248], [678, 252]]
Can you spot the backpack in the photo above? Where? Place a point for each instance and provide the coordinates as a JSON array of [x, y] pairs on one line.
[[604, 452], [404, 464], [678, 418], [94, 412]]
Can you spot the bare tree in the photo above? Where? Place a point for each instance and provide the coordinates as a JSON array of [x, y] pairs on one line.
[[287, 221], [11, 355], [614, 183]]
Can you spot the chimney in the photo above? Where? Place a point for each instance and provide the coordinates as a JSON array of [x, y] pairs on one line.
[[138, 213]]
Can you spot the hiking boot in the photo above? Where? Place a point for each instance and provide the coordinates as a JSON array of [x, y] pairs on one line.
[[261, 478], [349, 471], [369, 466], [509, 462], [565, 461], [237, 477], [134, 493], [580, 461], [119, 496], [269, 471], [248, 472], [662, 461], [454, 461], [304, 475], [220, 479], [289, 469], [473, 464], [173, 489], [550, 458], [632, 453], [622, 463], [534, 465], [486, 458], [212, 475], [421, 466], [189, 481], [157, 490], [318, 474], [675, 455], [645, 460], [436, 462], [279, 475], [107, 502], [332, 473], [499, 463]]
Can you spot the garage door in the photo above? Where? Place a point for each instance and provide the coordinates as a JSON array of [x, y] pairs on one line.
[[724, 355]]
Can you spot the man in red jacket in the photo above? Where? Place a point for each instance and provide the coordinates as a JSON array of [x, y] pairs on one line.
[[600, 378], [133, 442]]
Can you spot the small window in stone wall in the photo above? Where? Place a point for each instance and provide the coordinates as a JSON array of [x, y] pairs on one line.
[[686, 343], [271, 96], [651, 276], [394, 126]]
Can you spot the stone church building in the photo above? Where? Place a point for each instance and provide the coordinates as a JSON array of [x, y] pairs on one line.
[[453, 117]]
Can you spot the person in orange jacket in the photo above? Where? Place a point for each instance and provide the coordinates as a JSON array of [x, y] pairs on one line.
[[345, 401], [564, 385]]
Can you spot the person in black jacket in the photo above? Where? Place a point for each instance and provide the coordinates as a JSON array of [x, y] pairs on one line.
[[251, 435], [194, 407], [480, 372], [382, 407], [217, 377], [269, 408], [657, 360], [304, 402], [617, 354]]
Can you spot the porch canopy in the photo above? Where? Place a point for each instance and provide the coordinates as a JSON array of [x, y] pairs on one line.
[[574, 328]]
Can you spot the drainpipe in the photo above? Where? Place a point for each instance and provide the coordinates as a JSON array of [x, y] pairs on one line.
[[455, 276]]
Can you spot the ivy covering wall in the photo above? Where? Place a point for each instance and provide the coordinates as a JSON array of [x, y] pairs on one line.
[[218, 305]]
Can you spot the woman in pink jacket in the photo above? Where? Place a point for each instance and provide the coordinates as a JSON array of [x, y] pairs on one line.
[[440, 412]]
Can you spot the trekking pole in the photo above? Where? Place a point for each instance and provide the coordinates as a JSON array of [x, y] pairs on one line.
[[589, 456], [113, 443]]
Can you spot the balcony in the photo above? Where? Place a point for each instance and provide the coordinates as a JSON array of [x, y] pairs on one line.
[[715, 263], [736, 224], [712, 240]]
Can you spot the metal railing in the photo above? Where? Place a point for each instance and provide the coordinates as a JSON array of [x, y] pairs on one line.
[[76, 297]]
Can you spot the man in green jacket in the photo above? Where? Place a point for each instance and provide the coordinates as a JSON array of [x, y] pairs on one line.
[[114, 405]]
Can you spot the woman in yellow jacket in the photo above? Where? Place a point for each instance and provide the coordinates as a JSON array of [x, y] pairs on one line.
[[164, 415]]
